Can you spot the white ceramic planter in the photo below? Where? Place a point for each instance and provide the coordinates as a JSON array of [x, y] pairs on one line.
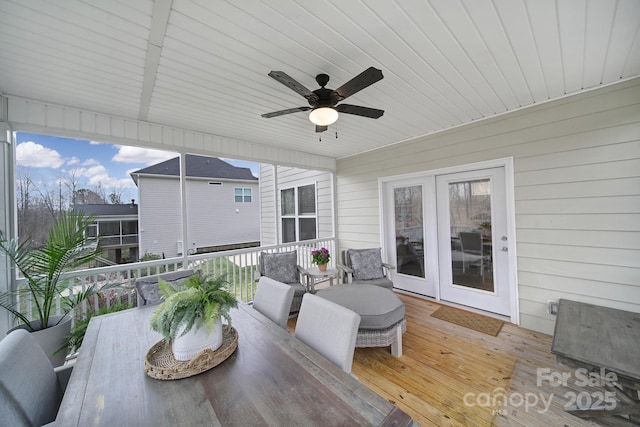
[[186, 347], [52, 338]]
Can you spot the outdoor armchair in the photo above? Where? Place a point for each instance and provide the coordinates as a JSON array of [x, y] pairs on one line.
[[283, 267], [473, 251], [365, 266]]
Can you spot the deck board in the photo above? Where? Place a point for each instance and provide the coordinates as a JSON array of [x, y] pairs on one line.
[[442, 362]]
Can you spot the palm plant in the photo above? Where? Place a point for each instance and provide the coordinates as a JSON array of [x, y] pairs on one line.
[[67, 248]]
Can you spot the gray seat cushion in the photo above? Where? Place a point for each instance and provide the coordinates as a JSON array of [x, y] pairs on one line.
[[298, 289], [382, 282], [379, 308]]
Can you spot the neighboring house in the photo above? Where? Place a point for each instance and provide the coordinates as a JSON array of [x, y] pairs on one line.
[[116, 227], [222, 207], [298, 207]]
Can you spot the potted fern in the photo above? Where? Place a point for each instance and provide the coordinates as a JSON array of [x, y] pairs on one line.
[[190, 318], [34, 304]]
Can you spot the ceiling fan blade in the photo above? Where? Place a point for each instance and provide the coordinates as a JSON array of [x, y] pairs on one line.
[[372, 113], [321, 128], [283, 112], [359, 82], [292, 84]]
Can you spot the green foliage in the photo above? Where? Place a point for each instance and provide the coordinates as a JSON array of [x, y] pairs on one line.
[[77, 332], [149, 257], [66, 249], [197, 302]]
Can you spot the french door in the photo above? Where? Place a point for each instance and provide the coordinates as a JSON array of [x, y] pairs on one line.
[[447, 235], [472, 239], [410, 248]]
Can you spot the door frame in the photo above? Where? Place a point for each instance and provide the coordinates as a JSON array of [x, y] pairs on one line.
[[507, 164]]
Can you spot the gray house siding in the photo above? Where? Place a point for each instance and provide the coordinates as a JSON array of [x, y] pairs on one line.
[[214, 219], [160, 215], [577, 194]]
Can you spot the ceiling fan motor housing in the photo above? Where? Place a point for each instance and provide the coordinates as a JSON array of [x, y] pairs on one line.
[[327, 99], [324, 98]]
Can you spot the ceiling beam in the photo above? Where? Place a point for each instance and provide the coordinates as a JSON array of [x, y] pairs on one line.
[[159, 21]]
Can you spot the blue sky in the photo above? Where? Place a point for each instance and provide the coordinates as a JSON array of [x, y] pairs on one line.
[[48, 160]]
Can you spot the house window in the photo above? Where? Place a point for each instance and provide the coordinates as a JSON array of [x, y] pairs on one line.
[[242, 195], [298, 213]]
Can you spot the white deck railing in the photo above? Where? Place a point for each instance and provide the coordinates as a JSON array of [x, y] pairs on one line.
[[117, 283]]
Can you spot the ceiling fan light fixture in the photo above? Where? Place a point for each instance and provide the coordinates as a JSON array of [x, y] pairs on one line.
[[323, 116]]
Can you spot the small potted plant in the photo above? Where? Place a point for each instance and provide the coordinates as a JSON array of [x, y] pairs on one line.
[[190, 318], [321, 257]]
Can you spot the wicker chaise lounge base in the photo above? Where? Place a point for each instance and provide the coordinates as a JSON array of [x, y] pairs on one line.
[[382, 314], [384, 337]]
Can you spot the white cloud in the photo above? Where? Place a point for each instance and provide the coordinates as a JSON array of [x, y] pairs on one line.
[[95, 142], [141, 155], [29, 153], [97, 175], [90, 162], [73, 161]]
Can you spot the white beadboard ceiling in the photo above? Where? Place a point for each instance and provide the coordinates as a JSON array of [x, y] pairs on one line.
[[202, 64]]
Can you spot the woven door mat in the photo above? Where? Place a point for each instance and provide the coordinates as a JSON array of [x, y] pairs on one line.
[[477, 322]]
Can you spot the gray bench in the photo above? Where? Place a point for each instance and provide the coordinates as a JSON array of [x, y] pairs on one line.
[[147, 286], [382, 314]]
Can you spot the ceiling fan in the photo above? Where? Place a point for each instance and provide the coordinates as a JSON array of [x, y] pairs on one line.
[[323, 102]]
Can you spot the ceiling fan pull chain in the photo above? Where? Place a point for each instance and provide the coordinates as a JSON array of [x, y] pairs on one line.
[[320, 138], [336, 131]]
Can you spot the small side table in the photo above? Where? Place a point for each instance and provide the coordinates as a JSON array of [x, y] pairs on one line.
[[314, 274]]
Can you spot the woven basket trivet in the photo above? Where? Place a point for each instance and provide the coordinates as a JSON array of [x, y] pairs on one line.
[[160, 363]]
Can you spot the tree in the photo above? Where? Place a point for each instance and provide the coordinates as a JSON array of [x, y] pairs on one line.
[[84, 196], [115, 198]]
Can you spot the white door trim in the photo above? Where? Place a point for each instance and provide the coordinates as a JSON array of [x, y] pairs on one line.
[[507, 163]]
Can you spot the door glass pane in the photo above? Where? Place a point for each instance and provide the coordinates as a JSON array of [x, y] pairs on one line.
[[409, 230], [471, 248]]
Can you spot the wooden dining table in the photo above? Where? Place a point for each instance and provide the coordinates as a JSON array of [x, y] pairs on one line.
[[272, 379]]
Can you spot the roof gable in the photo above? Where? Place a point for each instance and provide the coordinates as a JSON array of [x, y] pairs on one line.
[[199, 167]]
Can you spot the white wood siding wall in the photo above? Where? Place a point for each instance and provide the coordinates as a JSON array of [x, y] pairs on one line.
[[268, 208], [577, 191], [39, 117], [160, 216], [216, 219], [289, 177]]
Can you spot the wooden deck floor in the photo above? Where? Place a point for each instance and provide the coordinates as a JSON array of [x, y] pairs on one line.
[[443, 363]]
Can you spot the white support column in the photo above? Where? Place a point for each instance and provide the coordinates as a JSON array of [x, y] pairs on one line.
[[7, 199], [186, 242], [276, 205]]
